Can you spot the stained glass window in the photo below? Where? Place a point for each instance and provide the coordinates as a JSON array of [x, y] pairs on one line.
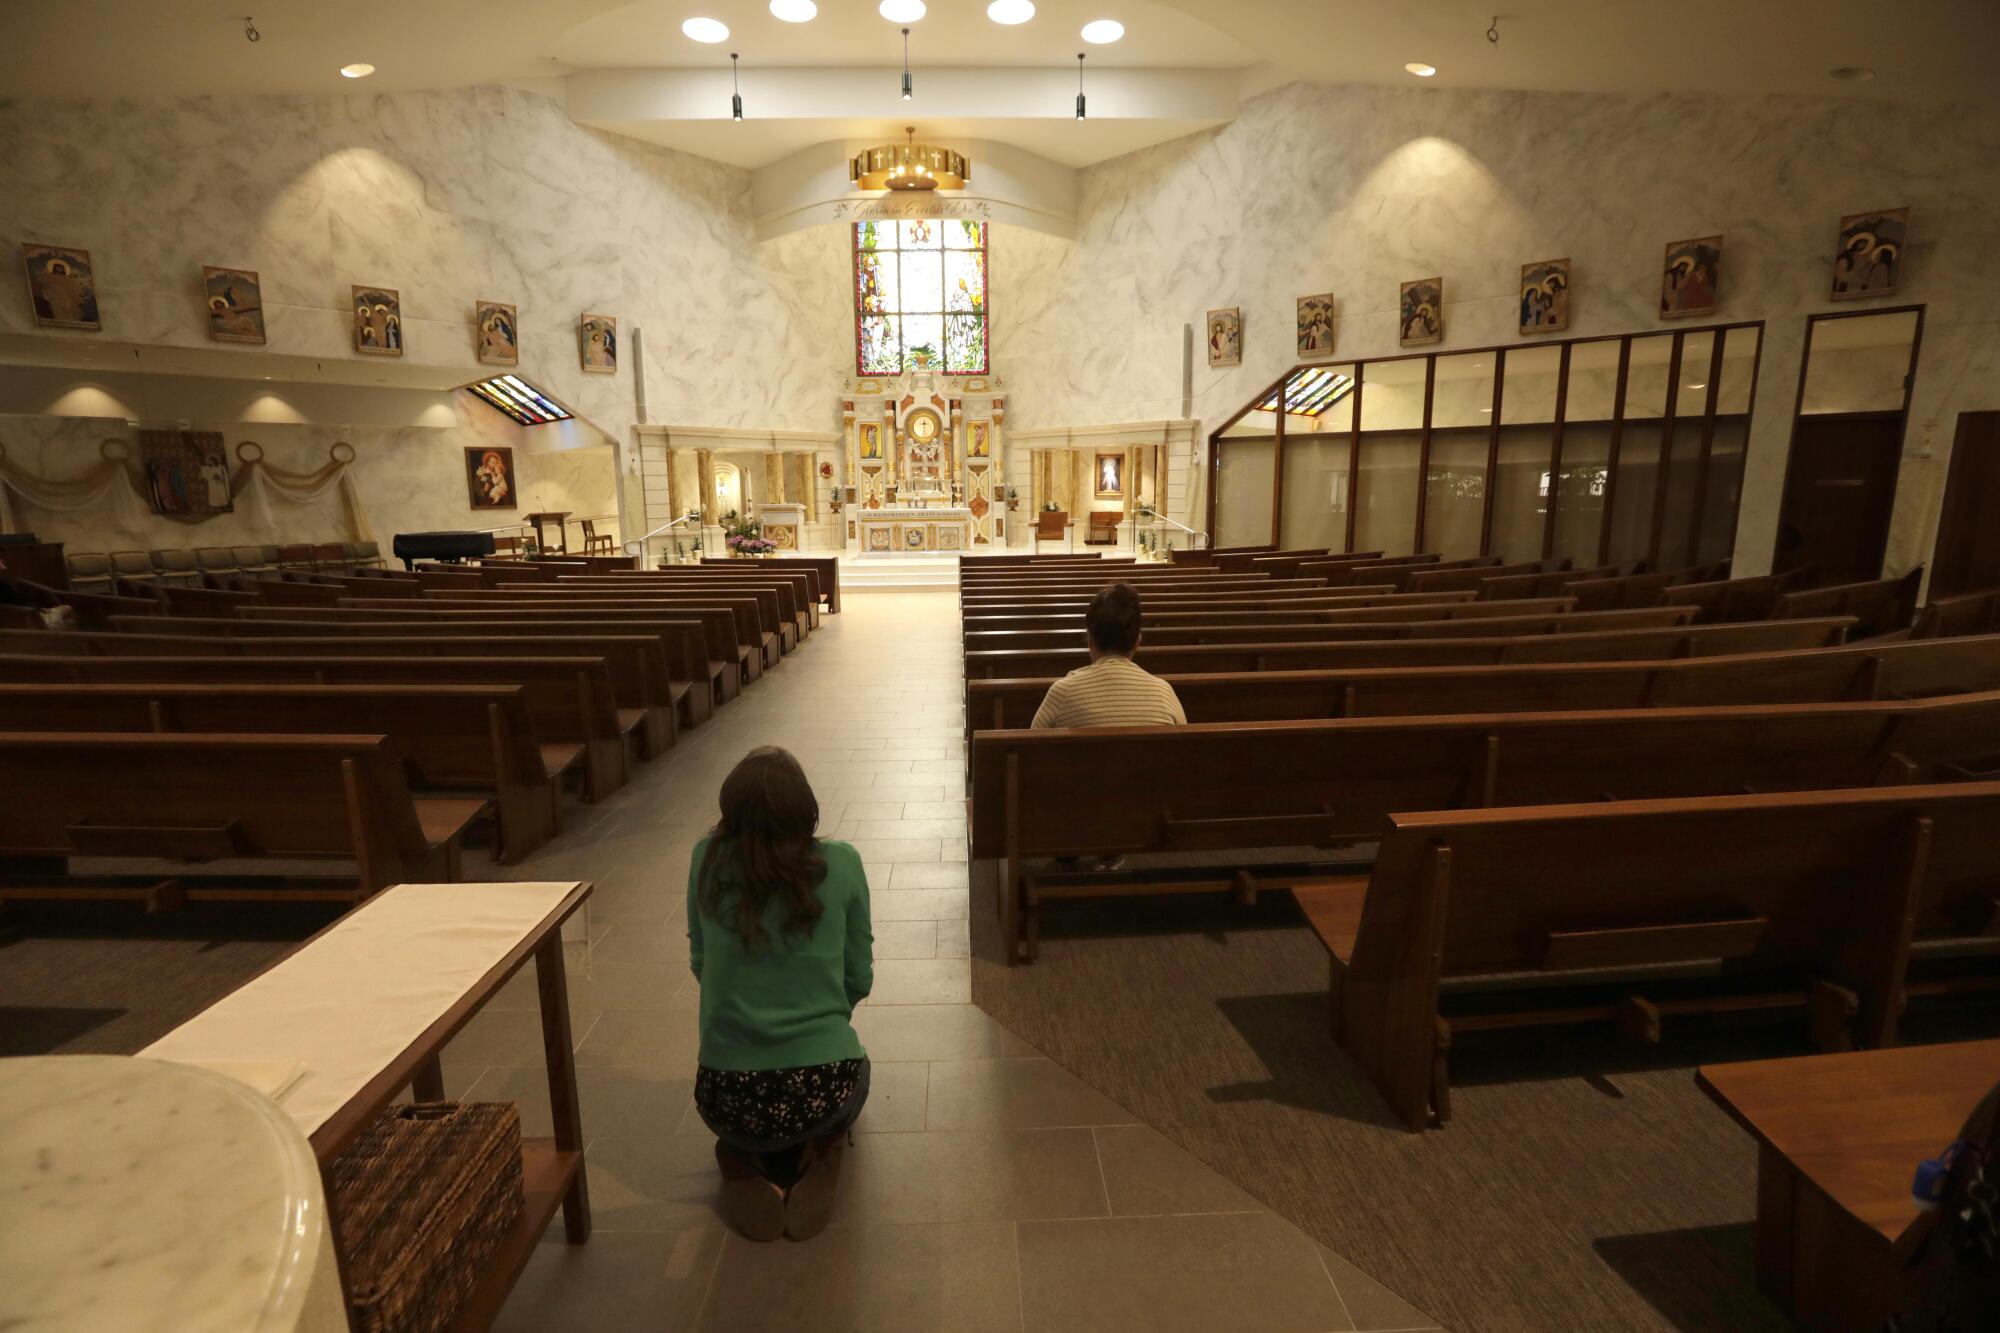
[[519, 399], [920, 296]]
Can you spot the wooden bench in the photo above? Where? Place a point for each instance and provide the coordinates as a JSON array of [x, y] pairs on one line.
[[1729, 599], [1920, 668], [825, 568], [760, 640], [569, 699], [1361, 624], [1245, 562], [1599, 645], [446, 737], [1839, 1138], [1613, 893], [686, 637], [1968, 613], [648, 684], [1611, 593], [1231, 787], [735, 623], [199, 798], [1319, 610], [792, 611], [971, 603], [1471, 579], [637, 665], [1400, 573], [1883, 606]]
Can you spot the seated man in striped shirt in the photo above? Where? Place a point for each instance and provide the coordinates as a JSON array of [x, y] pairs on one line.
[[1113, 691]]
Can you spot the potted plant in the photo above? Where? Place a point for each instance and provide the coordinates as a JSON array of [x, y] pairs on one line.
[[745, 538], [1013, 499]]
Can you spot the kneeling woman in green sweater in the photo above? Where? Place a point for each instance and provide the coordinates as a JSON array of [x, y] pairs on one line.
[[779, 938]]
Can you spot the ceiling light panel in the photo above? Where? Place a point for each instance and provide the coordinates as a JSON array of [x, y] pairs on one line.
[[902, 11], [794, 11], [1102, 32], [1010, 12], [358, 70], [705, 30], [1420, 69]]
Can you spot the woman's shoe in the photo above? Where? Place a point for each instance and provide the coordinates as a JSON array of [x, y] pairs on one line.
[[809, 1206], [751, 1204]]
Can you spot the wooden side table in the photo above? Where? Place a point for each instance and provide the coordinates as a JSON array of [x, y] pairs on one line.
[[561, 520]]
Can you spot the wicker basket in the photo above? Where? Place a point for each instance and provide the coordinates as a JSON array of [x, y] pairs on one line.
[[420, 1203]]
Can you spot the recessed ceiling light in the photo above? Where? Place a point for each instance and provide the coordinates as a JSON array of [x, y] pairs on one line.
[[360, 70], [1420, 69], [901, 11], [705, 30], [794, 11], [1702, 385], [1011, 12], [1103, 32], [1852, 73]]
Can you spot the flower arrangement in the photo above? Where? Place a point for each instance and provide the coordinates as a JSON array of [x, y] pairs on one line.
[[750, 545]]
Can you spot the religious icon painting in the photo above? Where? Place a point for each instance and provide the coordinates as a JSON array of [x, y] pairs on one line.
[[871, 441], [235, 305], [62, 287], [1225, 337], [187, 473], [378, 321], [1316, 325], [1691, 283], [1420, 308], [489, 477], [599, 336], [980, 445], [499, 333], [1545, 296], [1870, 259], [1110, 473]]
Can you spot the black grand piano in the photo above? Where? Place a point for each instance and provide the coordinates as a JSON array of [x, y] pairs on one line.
[[411, 547]]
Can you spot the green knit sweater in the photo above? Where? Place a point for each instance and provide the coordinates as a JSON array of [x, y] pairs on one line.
[[788, 1004]]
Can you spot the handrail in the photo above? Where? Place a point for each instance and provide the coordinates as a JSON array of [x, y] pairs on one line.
[[1201, 537], [637, 546]]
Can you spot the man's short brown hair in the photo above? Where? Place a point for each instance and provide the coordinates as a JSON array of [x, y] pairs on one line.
[[1113, 619]]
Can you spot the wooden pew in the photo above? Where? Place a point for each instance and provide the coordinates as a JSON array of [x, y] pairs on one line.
[[1891, 671], [569, 699], [1968, 613], [1608, 594], [1245, 562], [476, 737], [1243, 599], [636, 662], [1399, 574], [1318, 610], [688, 639], [1883, 606], [825, 567], [1206, 555], [804, 581], [1383, 623], [783, 617], [760, 623], [1470, 579], [1533, 581], [93, 609], [1729, 599], [1600, 646], [217, 797], [1839, 1239], [790, 608], [1236, 786], [1461, 896]]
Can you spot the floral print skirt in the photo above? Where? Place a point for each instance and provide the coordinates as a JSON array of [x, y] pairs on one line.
[[768, 1110]]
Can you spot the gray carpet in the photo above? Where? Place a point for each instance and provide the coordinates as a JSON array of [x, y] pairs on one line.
[[1581, 1184], [106, 979]]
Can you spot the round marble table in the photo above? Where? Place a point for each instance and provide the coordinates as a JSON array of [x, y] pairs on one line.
[[140, 1195]]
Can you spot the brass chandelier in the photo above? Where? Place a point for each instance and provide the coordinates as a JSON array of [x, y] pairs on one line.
[[909, 166]]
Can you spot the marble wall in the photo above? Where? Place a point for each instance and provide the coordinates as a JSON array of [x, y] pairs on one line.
[[450, 197], [1353, 190], [410, 480]]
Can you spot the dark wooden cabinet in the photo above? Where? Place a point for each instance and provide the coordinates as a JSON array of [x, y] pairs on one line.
[[1968, 550]]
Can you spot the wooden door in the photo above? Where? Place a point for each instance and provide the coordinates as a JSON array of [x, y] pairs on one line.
[[1968, 550], [1840, 488]]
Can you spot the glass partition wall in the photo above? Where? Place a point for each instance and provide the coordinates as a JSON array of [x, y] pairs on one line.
[[1598, 450]]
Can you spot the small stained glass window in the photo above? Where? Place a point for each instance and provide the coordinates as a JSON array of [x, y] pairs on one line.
[[520, 400], [920, 296]]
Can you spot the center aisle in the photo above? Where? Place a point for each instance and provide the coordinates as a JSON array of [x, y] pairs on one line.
[[988, 1189]]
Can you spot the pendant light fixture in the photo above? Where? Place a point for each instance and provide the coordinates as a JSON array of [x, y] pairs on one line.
[[1079, 85], [735, 93], [908, 91]]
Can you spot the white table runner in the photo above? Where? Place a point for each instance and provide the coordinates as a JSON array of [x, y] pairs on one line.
[[346, 1005]]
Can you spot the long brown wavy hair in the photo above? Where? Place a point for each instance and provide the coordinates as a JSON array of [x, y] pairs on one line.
[[764, 848]]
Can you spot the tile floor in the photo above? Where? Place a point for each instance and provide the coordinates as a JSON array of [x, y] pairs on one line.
[[989, 1188]]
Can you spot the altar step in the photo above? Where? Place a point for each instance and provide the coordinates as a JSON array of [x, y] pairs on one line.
[[898, 573]]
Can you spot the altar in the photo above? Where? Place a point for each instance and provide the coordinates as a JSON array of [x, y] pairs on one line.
[[899, 528]]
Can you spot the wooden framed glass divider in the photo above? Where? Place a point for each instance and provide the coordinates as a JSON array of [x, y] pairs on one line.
[[1602, 450]]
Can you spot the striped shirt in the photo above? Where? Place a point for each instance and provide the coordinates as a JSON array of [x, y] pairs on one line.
[[1113, 691]]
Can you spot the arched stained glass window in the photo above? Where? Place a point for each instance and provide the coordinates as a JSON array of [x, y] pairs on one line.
[[920, 296]]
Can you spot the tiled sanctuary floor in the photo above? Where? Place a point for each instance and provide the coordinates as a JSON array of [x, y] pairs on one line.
[[989, 1189]]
